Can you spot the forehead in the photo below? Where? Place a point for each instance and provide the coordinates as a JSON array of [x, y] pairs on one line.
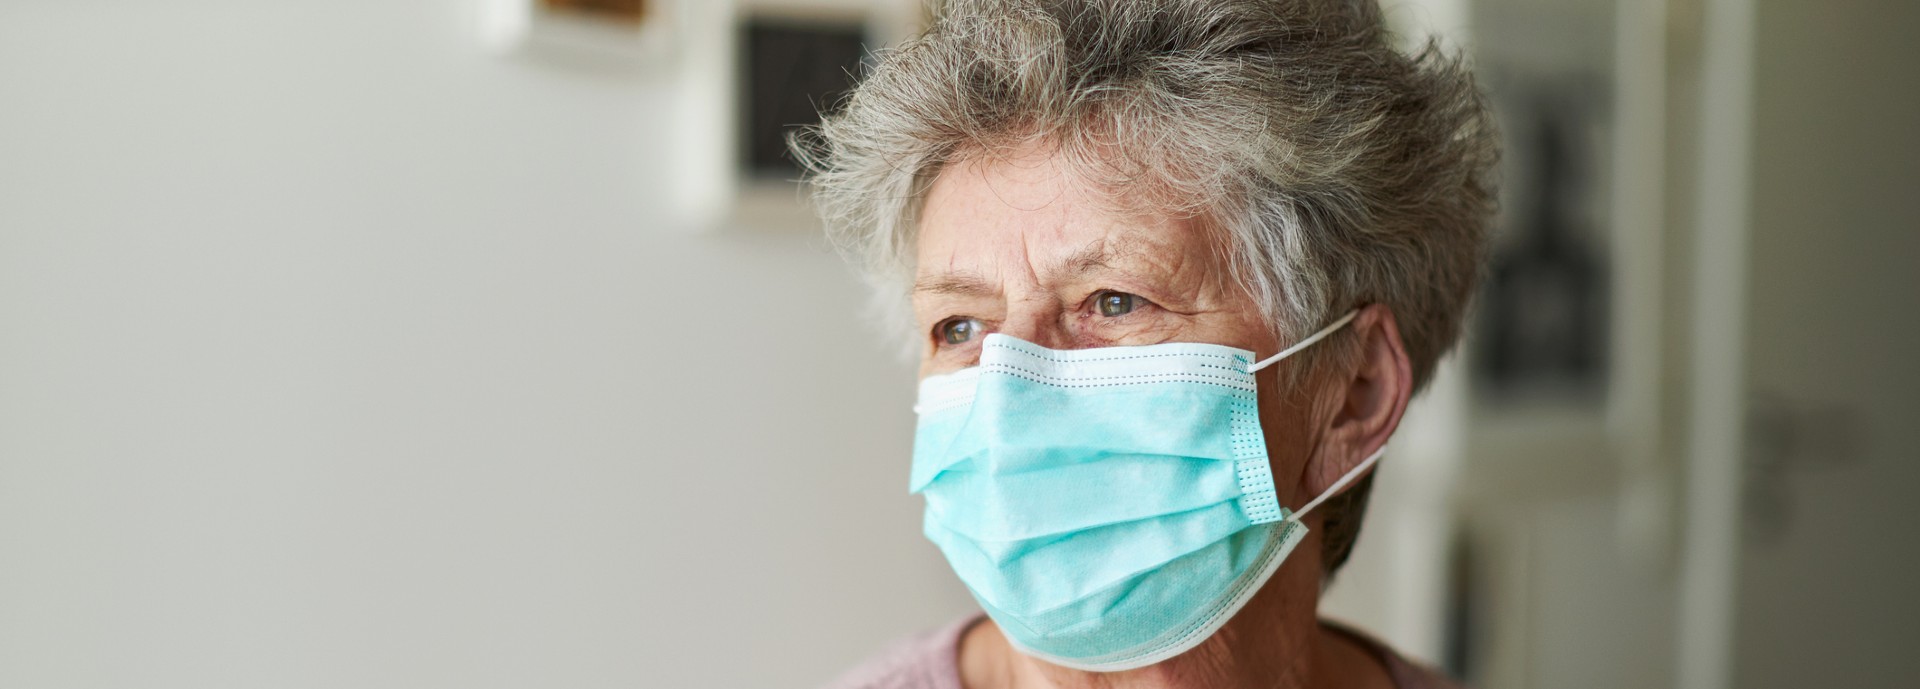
[[983, 214]]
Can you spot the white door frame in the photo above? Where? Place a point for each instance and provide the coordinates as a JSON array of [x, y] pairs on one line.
[[1710, 553]]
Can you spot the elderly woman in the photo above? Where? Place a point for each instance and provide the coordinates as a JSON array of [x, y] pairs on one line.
[[1176, 267]]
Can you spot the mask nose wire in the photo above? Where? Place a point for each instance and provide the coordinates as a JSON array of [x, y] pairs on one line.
[[1303, 344]]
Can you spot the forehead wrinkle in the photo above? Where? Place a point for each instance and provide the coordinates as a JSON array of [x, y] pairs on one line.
[[1101, 254]]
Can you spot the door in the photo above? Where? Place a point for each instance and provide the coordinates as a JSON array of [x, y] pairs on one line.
[[1812, 580]]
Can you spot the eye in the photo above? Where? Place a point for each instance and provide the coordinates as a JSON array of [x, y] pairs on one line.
[[1113, 304], [954, 331]]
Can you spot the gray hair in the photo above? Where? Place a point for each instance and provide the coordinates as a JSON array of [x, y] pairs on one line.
[[1336, 170]]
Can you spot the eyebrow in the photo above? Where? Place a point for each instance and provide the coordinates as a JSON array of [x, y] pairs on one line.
[[967, 283], [1088, 259], [958, 282]]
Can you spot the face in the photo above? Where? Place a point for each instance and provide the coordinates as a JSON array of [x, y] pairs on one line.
[[1018, 246]]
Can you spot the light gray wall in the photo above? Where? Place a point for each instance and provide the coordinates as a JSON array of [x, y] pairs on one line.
[[336, 351]]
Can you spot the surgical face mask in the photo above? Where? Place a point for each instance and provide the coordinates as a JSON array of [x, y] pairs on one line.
[[1110, 508]]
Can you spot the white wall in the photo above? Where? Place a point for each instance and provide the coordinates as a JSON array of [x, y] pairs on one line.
[[337, 351]]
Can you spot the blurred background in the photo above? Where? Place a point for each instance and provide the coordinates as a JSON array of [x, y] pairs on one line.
[[488, 343]]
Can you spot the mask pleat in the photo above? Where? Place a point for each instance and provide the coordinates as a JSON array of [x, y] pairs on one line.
[[1047, 500], [1014, 573], [1106, 506]]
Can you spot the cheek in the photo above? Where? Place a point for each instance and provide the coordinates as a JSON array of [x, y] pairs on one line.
[[933, 362], [1088, 331], [1287, 421]]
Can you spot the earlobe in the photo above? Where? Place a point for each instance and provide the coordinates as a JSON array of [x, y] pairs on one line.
[[1372, 396]]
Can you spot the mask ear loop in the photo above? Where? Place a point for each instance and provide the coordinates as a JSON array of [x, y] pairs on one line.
[[1364, 465], [1303, 344], [1337, 485]]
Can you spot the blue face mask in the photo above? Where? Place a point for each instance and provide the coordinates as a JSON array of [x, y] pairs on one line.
[[1110, 508]]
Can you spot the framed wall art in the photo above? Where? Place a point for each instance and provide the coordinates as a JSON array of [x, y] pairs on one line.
[[622, 30]]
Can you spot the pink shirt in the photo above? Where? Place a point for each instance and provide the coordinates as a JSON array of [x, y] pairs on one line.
[[931, 660]]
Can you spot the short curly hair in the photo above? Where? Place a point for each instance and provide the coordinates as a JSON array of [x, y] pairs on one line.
[[1336, 170]]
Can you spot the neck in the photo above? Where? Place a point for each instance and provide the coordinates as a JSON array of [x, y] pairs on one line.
[[1275, 642]]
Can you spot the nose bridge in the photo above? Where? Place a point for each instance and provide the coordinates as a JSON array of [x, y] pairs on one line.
[[1036, 318]]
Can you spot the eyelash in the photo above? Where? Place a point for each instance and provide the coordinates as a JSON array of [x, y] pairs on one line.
[[938, 334], [1092, 304], [1089, 306]]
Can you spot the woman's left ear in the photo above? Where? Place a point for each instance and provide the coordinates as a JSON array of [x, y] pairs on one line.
[[1369, 400]]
